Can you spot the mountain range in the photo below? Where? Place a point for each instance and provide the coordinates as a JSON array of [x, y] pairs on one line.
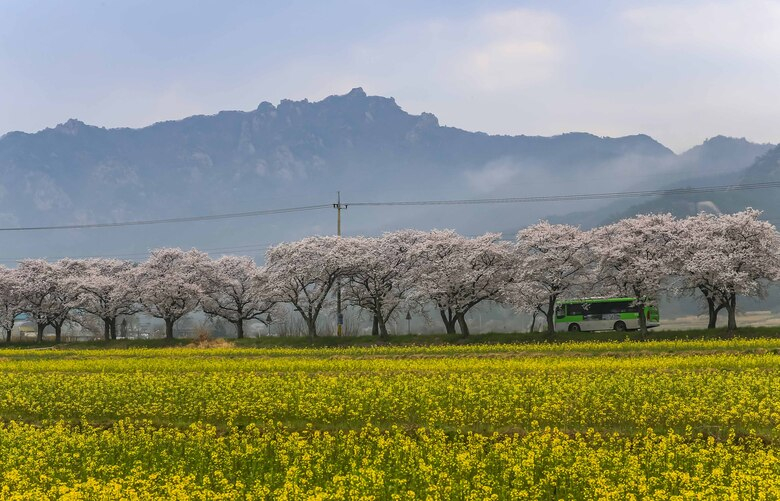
[[301, 153]]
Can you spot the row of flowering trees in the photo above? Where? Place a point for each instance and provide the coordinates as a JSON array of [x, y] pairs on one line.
[[718, 257], [170, 284]]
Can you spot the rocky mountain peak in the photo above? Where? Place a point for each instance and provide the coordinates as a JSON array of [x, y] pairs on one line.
[[265, 107], [71, 127], [356, 92]]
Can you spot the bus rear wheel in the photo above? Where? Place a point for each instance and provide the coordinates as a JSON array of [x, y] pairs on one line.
[[620, 326], [574, 328]]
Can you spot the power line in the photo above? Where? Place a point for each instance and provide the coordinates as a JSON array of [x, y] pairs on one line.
[[574, 197], [471, 201], [226, 250], [212, 217]]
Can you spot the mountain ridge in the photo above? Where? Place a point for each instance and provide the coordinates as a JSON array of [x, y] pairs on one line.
[[73, 125], [299, 153]]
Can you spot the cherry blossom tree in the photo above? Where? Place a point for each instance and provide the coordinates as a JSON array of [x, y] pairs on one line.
[[10, 300], [305, 271], [635, 257], [47, 293], [551, 261], [235, 289], [457, 273], [728, 255], [381, 277], [107, 290], [168, 284], [691, 249]]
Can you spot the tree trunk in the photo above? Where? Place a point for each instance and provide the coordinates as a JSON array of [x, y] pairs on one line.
[[107, 329], [57, 333], [8, 335], [550, 315], [464, 328], [642, 321], [112, 328], [311, 325], [41, 326], [240, 329], [449, 320], [731, 307], [169, 328], [711, 313], [382, 327], [712, 309], [375, 326], [550, 324]]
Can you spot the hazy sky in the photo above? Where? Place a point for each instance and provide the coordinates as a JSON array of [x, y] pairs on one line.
[[678, 71]]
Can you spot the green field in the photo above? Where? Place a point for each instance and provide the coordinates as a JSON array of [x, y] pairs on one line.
[[449, 419]]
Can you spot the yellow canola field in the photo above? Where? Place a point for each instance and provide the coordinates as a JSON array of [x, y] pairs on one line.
[[666, 420], [139, 461]]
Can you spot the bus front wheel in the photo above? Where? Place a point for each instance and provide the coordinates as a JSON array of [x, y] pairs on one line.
[[620, 326], [574, 328]]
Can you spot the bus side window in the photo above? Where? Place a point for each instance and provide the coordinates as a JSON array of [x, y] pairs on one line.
[[560, 311], [618, 307]]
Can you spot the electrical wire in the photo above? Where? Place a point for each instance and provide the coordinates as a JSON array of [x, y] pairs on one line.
[[471, 201], [212, 217], [238, 249], [474, 201], [574, 197]]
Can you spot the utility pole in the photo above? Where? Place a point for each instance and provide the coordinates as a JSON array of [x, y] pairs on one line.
[[339, 315]]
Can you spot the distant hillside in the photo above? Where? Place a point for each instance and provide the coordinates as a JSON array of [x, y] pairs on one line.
[[721, 155], [300, 153], [717, 162]]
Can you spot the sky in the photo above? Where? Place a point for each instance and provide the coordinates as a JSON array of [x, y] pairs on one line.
[[679, 71]]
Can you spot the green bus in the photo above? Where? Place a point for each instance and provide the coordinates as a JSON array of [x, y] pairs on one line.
[[602, 314]]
